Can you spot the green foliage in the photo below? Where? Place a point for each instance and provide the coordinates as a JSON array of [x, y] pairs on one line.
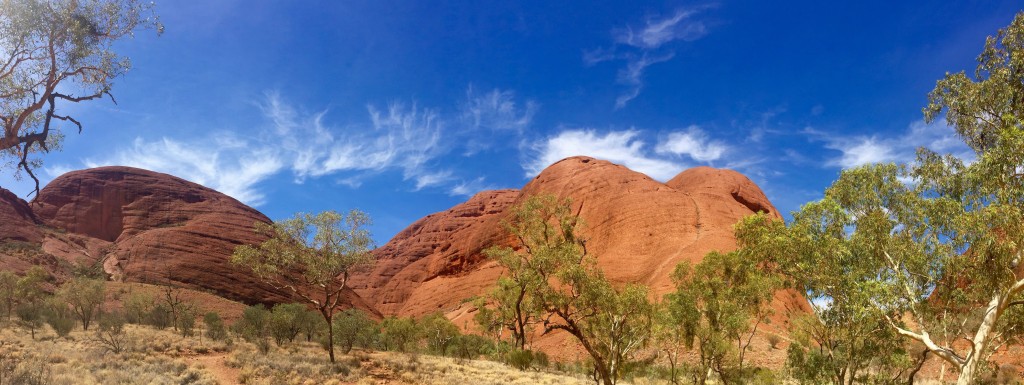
[[29, 288], [58, 52], [936, 241], [285, 322], [439, 332], [137, 307], [215, 329], [30, 316], [159, 316], [59, 317], [471, 346], [520, 359], [186, 320], [310, 321], [353, 328], [111, 333], [254, 326], [400, 334], [716, 310], [84, 297], [8, 292], [552, 280], [311, 251]]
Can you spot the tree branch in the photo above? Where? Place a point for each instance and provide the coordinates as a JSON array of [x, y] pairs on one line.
[[943, 352]]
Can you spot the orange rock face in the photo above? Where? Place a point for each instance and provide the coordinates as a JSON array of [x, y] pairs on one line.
[[150, 227], [17, 222], [144, 226], [434, 255], [638, 228]]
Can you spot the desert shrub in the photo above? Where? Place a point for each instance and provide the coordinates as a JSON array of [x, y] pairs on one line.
[[471, 346], [439, 332], [353, 328], [31, 370], [214, 326], [187, 320], [399, 334], [111, 333], [285, 322], [540, 359], [159, 316], [59, 317], [83, 297], [30, 316], [137, 306], [254, 326], [311, 323], [521, 359], [8, 292], [774, 340]]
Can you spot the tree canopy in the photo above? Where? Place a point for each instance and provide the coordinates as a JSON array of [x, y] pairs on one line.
[[932, 248], [552, 281], [312, 256], [54, 52]]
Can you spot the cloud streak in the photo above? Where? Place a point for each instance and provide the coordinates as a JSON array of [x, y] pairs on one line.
[[693, 143], [223, 162], [627, 147], [861, 150], [641, 46], [402, 137]]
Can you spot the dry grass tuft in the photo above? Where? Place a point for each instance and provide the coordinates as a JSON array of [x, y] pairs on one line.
[[81, 359]]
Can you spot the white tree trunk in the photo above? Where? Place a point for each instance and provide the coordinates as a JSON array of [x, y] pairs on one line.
[[969, 369]]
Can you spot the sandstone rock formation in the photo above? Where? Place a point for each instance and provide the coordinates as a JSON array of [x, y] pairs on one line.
[[17, 222], [144, 226], [638, 228]]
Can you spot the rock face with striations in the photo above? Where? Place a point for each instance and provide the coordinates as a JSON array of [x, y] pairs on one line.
[[17, 222], [151, 227], [638, 228]]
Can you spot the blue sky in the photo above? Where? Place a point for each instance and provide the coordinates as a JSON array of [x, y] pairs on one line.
[[402, 109]]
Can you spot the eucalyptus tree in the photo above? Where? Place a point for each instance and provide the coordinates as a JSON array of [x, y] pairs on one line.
[[566, 290], [312, 257], [716, 310], [55, 52], [936, 245]]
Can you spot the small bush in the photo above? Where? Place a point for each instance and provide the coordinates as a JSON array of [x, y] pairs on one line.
[[519, 359], [159, 316], [471, 346], [137, 307], [30, 316], [111, 333], [214, 327], [60, 319], [774, 340], [187, 321]]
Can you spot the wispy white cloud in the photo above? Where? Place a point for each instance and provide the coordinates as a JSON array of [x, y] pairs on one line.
[[492, 117], [658, 31], [225, 163], [623, 147], [860, 150], [643, 45], [497, 110], [402, 137], [470, 187], [694, 143], [632, 74]]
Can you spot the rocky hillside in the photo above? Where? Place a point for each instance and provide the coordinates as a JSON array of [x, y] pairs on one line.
[[137, 226], [142, 226], [638, 228]]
